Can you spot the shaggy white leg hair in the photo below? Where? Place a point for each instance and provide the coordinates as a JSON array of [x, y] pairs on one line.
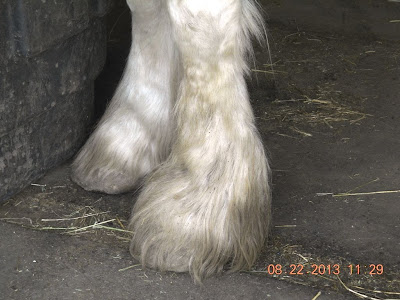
[[208, 204], [134, 135]]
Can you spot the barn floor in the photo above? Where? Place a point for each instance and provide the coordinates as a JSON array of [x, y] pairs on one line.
[[327, 110]]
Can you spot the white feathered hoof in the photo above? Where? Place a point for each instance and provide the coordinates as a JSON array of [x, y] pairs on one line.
[[134, 136], [208, 205], [200, 220]]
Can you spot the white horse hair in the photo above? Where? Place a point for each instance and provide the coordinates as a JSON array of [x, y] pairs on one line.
[[182, 114]]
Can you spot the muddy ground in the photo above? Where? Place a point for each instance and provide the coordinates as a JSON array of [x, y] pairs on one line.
[[327, 108]]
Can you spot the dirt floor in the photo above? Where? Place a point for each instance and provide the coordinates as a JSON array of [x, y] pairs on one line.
[[327, 109]]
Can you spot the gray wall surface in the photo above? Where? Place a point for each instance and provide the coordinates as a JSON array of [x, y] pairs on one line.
[[50, 53]]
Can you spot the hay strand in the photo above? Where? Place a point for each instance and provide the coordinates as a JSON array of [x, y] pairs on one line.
[[317, 295], [365, 193]]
